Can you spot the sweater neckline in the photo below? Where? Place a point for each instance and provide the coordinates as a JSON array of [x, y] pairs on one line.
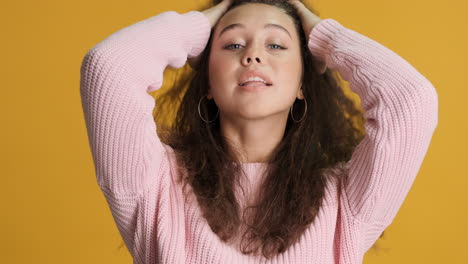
[[253, 169]]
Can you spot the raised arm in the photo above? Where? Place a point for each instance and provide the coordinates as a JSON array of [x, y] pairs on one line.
[[401, 112], [116, 76]]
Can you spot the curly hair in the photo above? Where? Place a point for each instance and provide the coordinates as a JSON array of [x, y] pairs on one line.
[[292, 192]]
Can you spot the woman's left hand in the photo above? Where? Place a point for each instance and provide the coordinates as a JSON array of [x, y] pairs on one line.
[[308, 19]]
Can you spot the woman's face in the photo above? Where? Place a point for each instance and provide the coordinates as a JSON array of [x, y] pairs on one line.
[[255, 45]]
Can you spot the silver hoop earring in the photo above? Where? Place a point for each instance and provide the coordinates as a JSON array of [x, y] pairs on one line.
[[199, 112], [305, 111]]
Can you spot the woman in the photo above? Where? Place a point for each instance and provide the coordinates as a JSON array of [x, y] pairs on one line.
[[264, 140]]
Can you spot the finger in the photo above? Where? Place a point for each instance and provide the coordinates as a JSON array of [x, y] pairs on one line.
[[295, 2], [225, 4], [298, 5]]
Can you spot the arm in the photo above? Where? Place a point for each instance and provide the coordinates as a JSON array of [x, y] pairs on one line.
[[401, 108], [116, 76]]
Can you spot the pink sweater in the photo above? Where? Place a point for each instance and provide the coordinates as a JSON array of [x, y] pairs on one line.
[[135, 170]]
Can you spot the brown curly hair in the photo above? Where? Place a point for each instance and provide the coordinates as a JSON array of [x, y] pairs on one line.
[[292, 192]]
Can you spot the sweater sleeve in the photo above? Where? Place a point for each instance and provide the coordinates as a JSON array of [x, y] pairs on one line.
[[401, 113], [116, 76]]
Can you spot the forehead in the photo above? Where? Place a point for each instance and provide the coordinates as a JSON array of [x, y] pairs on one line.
[[255, 15]]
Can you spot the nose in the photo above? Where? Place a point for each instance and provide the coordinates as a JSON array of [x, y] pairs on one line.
[[251, 56], [248, 59]]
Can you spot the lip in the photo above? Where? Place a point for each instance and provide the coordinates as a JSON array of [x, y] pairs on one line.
[[254, 88], [254, 73]]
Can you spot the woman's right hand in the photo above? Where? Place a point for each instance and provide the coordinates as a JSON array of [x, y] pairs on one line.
[[213, 14]]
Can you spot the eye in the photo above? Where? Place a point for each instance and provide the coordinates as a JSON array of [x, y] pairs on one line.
[[276, 45], [231, 45], [234, 45]]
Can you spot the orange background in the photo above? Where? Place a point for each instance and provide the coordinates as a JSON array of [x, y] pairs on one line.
[[53, 210]]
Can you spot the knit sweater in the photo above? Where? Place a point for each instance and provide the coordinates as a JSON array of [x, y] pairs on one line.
[[136, 171]]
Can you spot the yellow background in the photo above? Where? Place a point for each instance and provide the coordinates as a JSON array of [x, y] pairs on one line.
[[52, 208]]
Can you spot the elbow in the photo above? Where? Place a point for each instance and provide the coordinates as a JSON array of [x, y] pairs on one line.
[[431, 103], [427, 99]]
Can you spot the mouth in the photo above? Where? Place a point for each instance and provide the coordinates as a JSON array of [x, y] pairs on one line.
[[254, 78], [255, 83], [254, 86]]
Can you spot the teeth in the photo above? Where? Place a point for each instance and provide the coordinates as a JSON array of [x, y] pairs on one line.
[[254, 79]]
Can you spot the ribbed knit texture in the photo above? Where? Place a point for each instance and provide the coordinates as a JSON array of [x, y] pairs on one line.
[[136, 171]]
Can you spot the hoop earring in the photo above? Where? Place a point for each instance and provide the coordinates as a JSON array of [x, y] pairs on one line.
[[305, 110], [199, 112]]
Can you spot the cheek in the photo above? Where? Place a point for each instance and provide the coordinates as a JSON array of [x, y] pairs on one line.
[[223, 61], [288, 78], [220, 76], [222, 70], [216, 77], [290, 72]]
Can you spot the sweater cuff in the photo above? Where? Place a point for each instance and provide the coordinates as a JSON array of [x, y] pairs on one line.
[[320, 38], [198, 31]]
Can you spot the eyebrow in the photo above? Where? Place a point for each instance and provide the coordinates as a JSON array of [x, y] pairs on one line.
[[237, 25]]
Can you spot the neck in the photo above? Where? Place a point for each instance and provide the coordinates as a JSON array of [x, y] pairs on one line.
[[254, 140]]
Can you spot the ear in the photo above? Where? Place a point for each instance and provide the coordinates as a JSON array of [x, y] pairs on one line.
[[209, 96], [300, 94]]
